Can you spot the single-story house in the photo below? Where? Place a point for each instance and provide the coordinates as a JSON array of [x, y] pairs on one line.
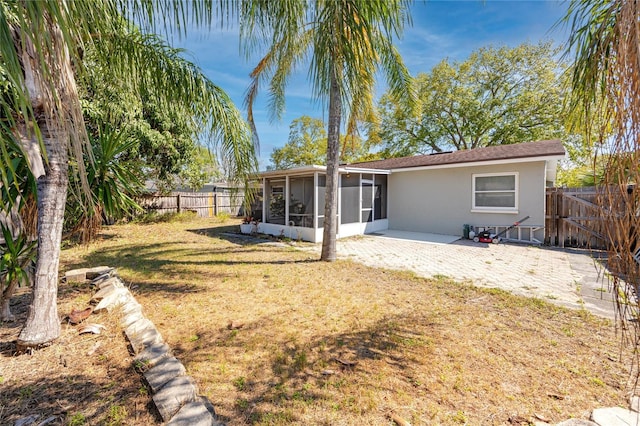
[[490, 187]]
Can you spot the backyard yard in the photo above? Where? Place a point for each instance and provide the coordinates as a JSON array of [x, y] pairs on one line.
[[273, 336]]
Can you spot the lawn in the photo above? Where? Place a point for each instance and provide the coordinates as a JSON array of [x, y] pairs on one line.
[[273, 336]]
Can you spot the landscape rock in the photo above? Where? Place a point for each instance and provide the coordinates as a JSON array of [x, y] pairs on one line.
[[615, 416], [76, 275], [138, 326], [106, 290], [176, 393], [152, 355], [144, 338], [117, 297], [101, 278], [130, 307], [108, 282], [577, 422], [193, 414], [165, 371], [97, 271], [131, 318]]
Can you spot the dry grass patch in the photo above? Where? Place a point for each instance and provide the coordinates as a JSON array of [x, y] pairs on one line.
[[79, 380], [273, 336]]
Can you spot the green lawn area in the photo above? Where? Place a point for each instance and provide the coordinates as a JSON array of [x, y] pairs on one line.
[[273, 336]]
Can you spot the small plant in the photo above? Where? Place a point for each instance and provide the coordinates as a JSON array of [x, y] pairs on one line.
[[223, 217], [240, 383], [459, 417], [300, 361], [17, 255], [116, 415], [26, 392], [242, 404], [76, 419]]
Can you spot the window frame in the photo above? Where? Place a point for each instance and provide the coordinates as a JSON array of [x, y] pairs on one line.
[[491, 209]]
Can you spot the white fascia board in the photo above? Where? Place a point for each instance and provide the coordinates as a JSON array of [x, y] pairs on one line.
[[311, 169], [479, 163], [362, 170]]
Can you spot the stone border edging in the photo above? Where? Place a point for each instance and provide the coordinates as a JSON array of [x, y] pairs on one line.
[[175, 395]]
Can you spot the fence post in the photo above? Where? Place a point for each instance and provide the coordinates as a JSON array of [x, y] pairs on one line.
[[178, 202], [215, 204]]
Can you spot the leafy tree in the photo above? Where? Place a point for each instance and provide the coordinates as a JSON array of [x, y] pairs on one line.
[[497, 96], [307, 146], [344, 42], [41, 45], [201, 169], [166, 131]]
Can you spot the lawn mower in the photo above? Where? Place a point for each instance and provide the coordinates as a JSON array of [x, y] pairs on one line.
[[487, 236]]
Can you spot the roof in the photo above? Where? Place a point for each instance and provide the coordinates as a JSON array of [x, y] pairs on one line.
[[548, 148]]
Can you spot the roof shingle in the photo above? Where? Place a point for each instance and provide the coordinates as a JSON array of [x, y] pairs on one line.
[[548, 148]]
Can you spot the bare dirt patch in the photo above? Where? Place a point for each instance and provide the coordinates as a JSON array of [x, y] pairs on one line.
[[273, 336]]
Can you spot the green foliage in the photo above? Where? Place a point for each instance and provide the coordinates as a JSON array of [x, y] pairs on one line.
[[165, 126], [77, 419], [497, 96], [113, 179], [307, 146], [153, 217], [202, 168], [18, 181], [16, 255]]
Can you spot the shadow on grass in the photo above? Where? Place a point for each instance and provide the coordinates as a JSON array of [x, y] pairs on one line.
[[171, 261], [320, 372], [231, 234]]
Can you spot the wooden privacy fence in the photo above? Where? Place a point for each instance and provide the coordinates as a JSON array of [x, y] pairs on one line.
[[204, 204], [574, 218]]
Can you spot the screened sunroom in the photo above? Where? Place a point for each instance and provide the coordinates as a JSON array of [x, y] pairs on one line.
[[293, 202]]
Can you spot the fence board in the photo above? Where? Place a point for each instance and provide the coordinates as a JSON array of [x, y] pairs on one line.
[[204, 204], [574, 218]]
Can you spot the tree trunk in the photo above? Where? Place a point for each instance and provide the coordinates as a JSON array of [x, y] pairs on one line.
[[333, 163], [5, 297], [43, 324], [56, 107]]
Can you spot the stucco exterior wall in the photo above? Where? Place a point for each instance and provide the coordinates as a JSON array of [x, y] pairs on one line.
[[439, 200]]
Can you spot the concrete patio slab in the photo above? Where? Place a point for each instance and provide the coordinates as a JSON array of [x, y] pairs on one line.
[[568, 278], [417, 236]]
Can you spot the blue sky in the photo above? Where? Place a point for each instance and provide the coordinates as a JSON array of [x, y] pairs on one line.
[[441, 29]]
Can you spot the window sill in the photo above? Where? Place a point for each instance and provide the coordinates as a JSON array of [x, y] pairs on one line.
[[494, 211]]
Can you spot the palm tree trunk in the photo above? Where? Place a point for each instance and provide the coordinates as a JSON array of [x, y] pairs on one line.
[[43, 324], [333, 163]]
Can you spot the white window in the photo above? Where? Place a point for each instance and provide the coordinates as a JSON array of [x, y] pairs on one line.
[[495, 192]]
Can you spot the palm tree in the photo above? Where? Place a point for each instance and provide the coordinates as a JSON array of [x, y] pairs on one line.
[[605, 39], [41, 45], [345, 42]]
